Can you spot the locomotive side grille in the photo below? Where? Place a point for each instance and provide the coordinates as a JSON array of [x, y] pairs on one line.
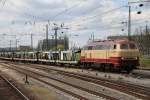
[[129, 54]]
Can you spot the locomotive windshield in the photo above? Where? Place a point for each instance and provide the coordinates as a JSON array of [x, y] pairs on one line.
[[132, 46], [128, 46], [124, 46]]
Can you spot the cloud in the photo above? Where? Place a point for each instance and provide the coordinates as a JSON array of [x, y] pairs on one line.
[[82, 17]]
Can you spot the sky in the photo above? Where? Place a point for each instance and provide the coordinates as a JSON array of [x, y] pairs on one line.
[[80, 18]]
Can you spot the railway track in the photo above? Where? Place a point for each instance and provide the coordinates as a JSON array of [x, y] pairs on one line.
[[36, 76], [144, 68], [131, 89], [8, 91], [141, 73]]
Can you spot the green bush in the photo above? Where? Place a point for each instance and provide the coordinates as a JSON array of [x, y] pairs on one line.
[[144, 61]]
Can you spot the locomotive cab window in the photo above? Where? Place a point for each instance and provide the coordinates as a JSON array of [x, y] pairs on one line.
[[124, 46], [100, 47], [115, 46], [132, 46], [90, 47], [128, 46]]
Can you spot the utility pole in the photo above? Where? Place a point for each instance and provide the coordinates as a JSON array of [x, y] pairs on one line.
[[10, 45], [146, 30], [147, 39], [31, 41], [16, 44], [93, 37], [56, 30], [12, 54], [129, 16], [129, 23], [47, 37]]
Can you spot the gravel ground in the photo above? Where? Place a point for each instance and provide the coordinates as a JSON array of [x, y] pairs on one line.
[[106, 75], [74, 90], [88, 85], [40, 90], [119, 77]]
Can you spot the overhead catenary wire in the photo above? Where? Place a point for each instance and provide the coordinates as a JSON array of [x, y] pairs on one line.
[[38, 18], [62, 12], [102, 15], [108, 11], [106, 27], [74, 6], [91, 18]]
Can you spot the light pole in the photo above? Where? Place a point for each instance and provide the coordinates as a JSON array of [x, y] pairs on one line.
[[129, 16], [47, 37], [17, 44], [56, 29], [31, 41], [129, 23], [10, 45]]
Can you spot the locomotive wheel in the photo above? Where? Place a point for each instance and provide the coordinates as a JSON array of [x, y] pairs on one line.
[[84, 65], [111, 69], [129, 69], [88, 65], [103, 67]]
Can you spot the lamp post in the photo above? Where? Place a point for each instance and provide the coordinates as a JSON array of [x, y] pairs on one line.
[[17, 44], [129, 23], [129, 17]]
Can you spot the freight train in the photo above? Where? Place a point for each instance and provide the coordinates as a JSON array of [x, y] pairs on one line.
[[120, 54]]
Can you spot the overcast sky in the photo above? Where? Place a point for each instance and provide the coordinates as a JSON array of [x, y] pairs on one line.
[[81, 17]]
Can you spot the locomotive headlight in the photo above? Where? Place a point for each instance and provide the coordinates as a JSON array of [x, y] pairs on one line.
[[137, 58], [122, 58]]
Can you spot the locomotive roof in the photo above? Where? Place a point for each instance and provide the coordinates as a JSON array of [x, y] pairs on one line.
[[108, 42]]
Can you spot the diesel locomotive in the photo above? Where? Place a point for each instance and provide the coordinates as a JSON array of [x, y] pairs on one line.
[[118, 54]]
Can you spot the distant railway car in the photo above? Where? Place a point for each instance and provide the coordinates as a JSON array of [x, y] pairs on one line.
[[55, 55], [44, 55], [31, 55], [70, 55], [49, 55], [17, 55], [9, 54], [77, 55], [66, 55], [118, 54]]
